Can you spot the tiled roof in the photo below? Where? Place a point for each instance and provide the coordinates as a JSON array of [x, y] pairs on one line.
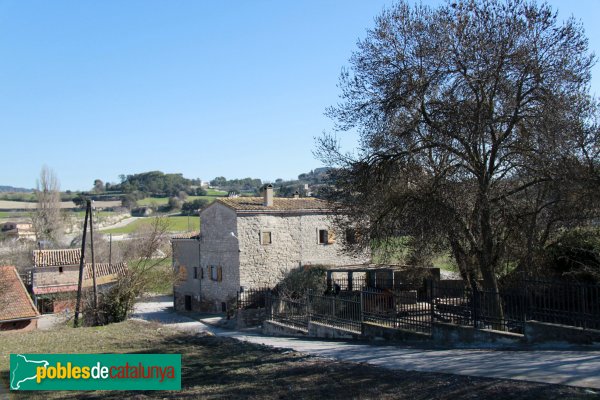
[[104, 270], [56, 258], [280, 205], [15, 302]]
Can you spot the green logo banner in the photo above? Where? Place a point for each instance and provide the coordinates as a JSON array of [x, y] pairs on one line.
[[95, 371]]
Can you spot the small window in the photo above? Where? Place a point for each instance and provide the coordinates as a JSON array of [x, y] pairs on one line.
[[323, 236], [195, 272], [265, 237], [216, 273], [351, 237], [60, 270]]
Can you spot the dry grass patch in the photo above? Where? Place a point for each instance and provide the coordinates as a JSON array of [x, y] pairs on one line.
[[215, 368]]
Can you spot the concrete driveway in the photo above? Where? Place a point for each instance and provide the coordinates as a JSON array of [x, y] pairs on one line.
[[565, 367]]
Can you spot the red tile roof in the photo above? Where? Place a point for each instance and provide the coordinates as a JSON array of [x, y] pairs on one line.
[[15, 302], [104, 270], [280, 205], [56, 258]]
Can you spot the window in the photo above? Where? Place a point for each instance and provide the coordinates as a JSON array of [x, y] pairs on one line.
[[198, 273], [60, 270], [323, 236], [265, 237], [326, 237], [216, 273], [351, 237]]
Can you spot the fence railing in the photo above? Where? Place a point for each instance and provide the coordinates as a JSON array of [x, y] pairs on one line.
[[396, 309], [335, 311], [499, 310], [292, 312], [453, 302], [253, 298], [564, 303]]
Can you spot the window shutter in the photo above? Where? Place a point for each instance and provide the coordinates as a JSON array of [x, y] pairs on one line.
[[219, 274], [330, 237]]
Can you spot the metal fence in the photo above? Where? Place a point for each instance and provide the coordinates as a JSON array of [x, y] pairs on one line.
[[486, 309], [447, 301], [564, 303], [293, 312], [399, 309], [253, 298], [336, 311]]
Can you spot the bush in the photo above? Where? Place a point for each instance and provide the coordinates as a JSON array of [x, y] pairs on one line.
[[114, 304], [175, 203], [193, 207], [575, 256], [298, 281]]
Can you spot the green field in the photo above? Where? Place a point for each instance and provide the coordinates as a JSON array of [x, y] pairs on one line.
[[217, 193], [13, 214], [18, 196], [176, 224], [161, 201]]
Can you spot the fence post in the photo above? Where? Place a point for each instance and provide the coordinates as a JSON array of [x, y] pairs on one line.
[[431, 294], [268, 306], [362, 311], [308, 308], [584, 312], [525, 302], [474, 300]]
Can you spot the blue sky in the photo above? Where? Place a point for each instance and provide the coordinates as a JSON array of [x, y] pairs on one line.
[[95, 89]]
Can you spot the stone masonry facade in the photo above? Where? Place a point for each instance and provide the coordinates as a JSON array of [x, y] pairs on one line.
[[250, 243]]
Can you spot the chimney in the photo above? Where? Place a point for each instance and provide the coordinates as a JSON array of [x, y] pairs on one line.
[[268, 196]]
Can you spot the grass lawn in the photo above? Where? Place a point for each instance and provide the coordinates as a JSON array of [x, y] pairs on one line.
[[176, 224], [14, 214], [159, 276], [217, 368], [214, 192]]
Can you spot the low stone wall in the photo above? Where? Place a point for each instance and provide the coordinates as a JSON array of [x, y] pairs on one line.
[[249, 317], [316, 329], [379, 332], [274, 328], [446, 334], [543, 332]]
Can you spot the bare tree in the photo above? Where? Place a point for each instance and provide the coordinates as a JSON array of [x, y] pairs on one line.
[[48, 220], [477, 131], [146, 255]]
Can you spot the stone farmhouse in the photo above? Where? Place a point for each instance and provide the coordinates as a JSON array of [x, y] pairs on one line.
[[18, 230], [252, 242], [17, 311], [55, 277]]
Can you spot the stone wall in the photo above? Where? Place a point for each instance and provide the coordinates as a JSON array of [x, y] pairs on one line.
[[52, 276], [219, 248], [186, 257], [244, 261], [294, 243]]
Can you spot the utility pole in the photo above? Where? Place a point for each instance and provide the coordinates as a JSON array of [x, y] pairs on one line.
[[89, 204], [81, 265], [110, 250]]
